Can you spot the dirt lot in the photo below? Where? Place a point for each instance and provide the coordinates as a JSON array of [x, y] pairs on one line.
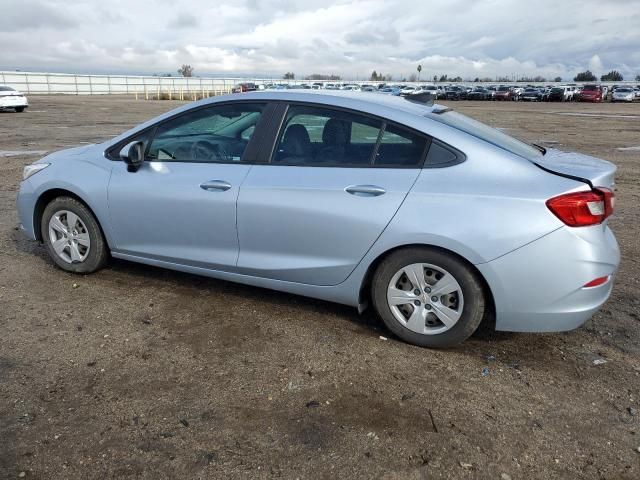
[[137, 372]]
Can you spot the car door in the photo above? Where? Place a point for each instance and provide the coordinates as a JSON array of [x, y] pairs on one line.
[[180, 206], [334, 181]]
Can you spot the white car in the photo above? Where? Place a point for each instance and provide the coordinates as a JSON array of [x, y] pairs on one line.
[[12, 99], [623, 94], [407, 90]]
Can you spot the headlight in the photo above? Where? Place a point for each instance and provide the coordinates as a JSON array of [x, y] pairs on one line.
[[33, 169]]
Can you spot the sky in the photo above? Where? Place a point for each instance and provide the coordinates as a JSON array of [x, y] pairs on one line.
[[348, 38]]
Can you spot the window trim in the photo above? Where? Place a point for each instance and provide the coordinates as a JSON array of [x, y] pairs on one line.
[[280, 132], [112, 153]]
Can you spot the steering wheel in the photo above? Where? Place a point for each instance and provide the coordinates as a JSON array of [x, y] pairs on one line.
[[204, 150]]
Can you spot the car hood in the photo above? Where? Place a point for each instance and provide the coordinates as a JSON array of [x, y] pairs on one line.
[[10, 93], [64, 154], [597, 172]]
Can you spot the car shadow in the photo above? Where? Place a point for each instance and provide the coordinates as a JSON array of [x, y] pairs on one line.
[[367, 319]]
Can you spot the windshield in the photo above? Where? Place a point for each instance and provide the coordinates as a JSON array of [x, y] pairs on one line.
[[503, 89], [623, 90], [486, 133], [590, 88], [6, 89]]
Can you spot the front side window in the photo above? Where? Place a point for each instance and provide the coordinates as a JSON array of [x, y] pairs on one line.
[[216, 134], [324, 137]]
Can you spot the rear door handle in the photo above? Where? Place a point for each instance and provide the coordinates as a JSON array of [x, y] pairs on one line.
[[215, 186], [365, 190]]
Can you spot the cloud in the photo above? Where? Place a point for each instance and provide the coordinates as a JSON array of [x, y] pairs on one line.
[[27, 15], [183, 20], [350, 38]]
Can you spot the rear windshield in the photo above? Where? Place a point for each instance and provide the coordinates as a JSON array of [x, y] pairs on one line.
[[488, 134], [590, 88]]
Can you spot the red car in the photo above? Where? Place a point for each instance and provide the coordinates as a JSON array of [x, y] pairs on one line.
[[591, 93], [504, 93], [244, 87]]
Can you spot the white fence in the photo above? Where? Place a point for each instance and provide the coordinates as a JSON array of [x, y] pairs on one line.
[[64, 83]]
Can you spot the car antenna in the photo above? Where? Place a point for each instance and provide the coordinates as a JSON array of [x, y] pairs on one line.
[[423, 98]]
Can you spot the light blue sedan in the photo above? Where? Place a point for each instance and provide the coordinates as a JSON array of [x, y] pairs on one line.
[[434, 219]]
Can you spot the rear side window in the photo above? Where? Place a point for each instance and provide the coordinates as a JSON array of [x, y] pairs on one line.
[[400, 148], [487, 133], [317, 136], [321, 136], [442, 155]]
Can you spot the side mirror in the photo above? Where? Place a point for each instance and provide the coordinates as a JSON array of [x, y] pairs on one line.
[[133, 155]]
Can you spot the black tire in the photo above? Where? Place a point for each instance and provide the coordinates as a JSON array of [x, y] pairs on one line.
[[98, 251], [474, 298], [19, 109]]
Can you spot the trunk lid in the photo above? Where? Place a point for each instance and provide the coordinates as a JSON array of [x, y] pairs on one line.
[[591, 170]]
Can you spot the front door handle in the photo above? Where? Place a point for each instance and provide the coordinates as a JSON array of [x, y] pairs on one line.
[[365, 190], [215, 186]]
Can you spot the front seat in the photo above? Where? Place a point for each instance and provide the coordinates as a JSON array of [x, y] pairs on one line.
[[295, 146], [335, 138]]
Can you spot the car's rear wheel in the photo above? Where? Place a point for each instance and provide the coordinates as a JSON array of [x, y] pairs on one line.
[[428, 297], [72, 236], [19, 109]]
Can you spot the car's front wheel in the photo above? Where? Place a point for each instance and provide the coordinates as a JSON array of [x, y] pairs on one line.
[[19, 109], [428, 297], [72, 236]]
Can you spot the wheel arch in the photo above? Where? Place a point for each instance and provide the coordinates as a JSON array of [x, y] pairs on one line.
[[47, 197], [365, 287]]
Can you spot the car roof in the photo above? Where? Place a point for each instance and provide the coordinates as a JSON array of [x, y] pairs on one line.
[[365, 101], [394, 108]]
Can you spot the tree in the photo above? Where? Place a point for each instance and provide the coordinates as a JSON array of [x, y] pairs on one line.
[[419, 70], [435, 78], [585, 76], [186, 71], [612, 76], [637, 78], [321, 76], [289, 76], [557, 79], [374, 76], [443, 78]]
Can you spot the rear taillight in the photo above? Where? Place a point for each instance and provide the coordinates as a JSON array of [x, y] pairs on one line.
[[581, 209]]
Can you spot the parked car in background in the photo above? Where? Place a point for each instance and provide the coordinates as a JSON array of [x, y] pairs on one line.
[[391, 209], [394, 91], [479, 93], [244, 87], [435, 92], [557, 94], [623, 94], [591, 93], [504, 93], [531, 95], [11, 99], [456, 92], [407, 90], [605, 91]]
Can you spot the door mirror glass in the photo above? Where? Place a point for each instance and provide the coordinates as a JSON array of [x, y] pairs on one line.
[[133, 155]]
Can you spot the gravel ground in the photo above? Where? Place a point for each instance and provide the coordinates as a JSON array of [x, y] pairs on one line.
[[138, 372]]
